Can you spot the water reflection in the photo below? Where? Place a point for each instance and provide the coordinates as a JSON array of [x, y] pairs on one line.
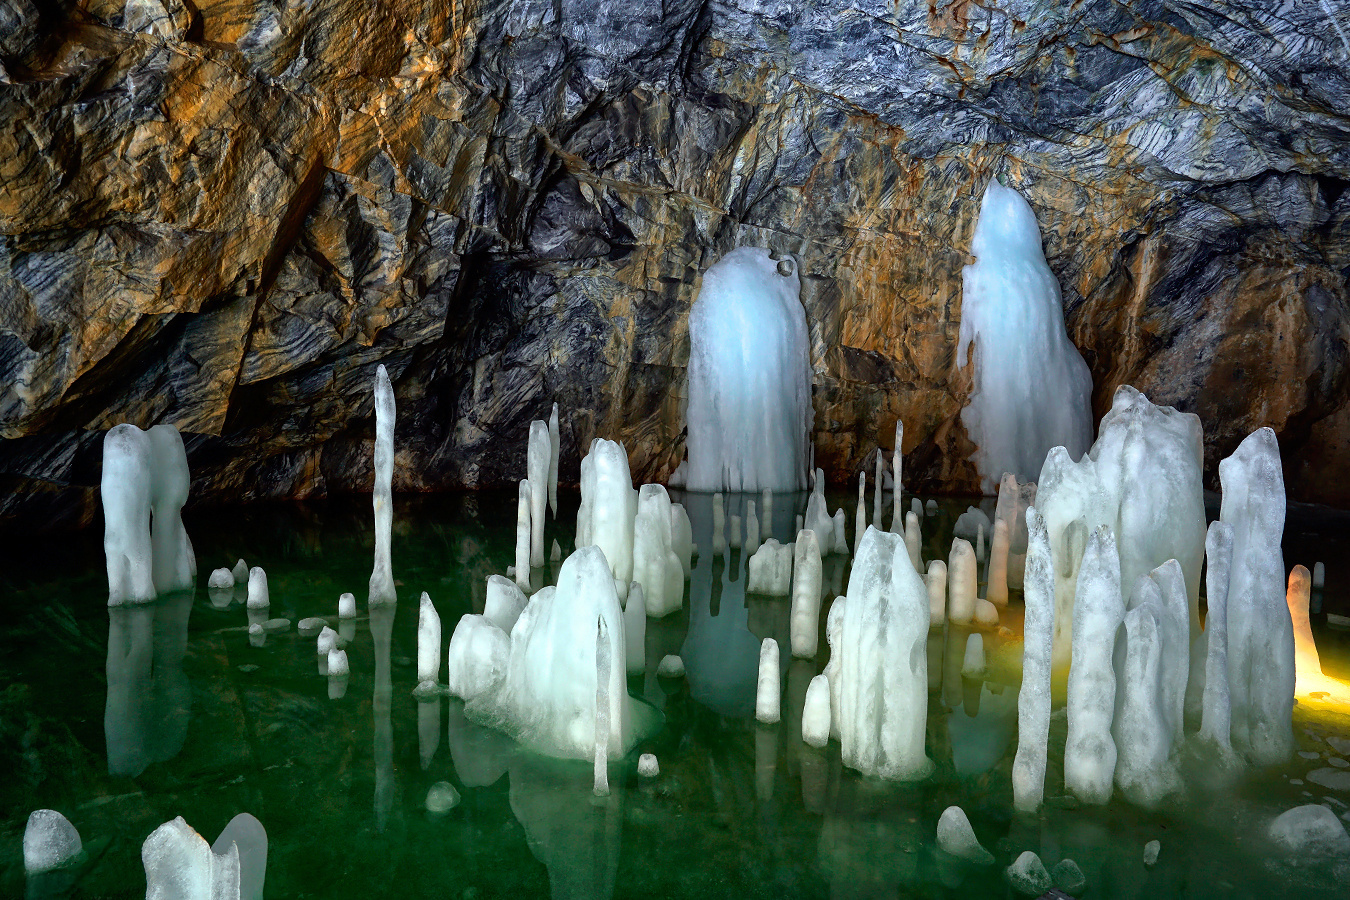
[[149, 699], [381, 631], [575, 834]]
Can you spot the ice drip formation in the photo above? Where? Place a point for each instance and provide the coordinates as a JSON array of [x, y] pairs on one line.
[[1105, 548]]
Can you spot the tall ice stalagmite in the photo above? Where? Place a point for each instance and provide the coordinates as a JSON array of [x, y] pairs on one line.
[[382, 575], [1032, 388]]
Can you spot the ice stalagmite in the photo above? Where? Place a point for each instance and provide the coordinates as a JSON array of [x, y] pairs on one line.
[[476, 660], [523, 535], [428, 643], [719, 538], [240, 571], [937, 592], [539, 456], [1174, 631], [972, 662], [834, 635], [897, 460], [604, 664], [806, 587], [860, 520], [770, 570], [1307, 663], [682, 536], [504, 603], [751, 542], [816, 712], [1032, 388], [1143, 740], [883, 675], [382, 574], [997, 590], [258, 596], [1033, 700], [876, 492], [913, 541], [749, 413], [1013, 499], [1090, 750], [220, 580], [962, 582], [769, 686], [655, 565], [248, 835], [1261, 671], [1143, 478], [547, 699], [818, 517], [554, 448], [125, 491], [179, 865], [173, 563], [1215, 717], [49, 842]]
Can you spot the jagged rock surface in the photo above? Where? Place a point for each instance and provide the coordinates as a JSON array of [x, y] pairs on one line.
[[224, 214]]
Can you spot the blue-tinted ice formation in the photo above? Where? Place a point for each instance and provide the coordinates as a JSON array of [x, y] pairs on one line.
[[749, 413], [1032, 388]]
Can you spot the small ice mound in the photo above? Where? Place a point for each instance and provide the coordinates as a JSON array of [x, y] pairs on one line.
[[276, 626], [648, 767], [670, 667], [327, 640], [1311, 830], [428, 643], [955, 836], [1027, 875], [972, 665], [504, 604], [555, 554], [49, 842], [240, 572], [257, 636], [770, 570], [257, 589], [441, 798], [312, 626], [1068, 877], [816, 712], [986, 614], [476, 660], [337, 663], [180, 865], [347, 606], [247, 834], [220, 580], [1151, 850], [767, 693]]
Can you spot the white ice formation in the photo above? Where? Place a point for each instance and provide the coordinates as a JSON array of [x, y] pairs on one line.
[[682, 537], [337, 663], [751, 542], [555, 448], [145, 474], [804, 621], [955, 836], [547, 699], [656, 566], [524, 534], [441, 798], [221, 579], [1090, 750], [1216, 714], [180, 865], [1261, 670], [648, 767], [972, 662], [962, 582], [882, 654], [897, 462], [1033, 700], [860, 518], [258, 596], [1027, 875], [670, 666], [347, 606], [1143, 739], [937, 593], [249, 837], [476, 660], [428, 642], [1307, 662], [1310, 831], [769, 687], [770, 570], [504, 602], [49, 842], [608, 508], [1032, 389], [635, 630], [749, 413], [816, 712], [240, 571], [1151, 850], [1142, 478], [538, 461], [382, 498]]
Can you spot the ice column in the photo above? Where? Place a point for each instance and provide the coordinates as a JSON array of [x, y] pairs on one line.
[[125, 492], [179, 865], [682, 536], [806, 587], [816, 712], [1032, 389], [554, 448], [818, 517], [897, 459], [1140, 730], [173, 563], [937, 592], [913, 541], [604, 662], [997, 590], [860, 520], [523, 535], [876, 491], [1090, 751], [428, 643], [538, 460], [1033, 701], [382, 575], [635, 631], [1307, 664], [1215, 714], [1261, 670], [769, 687], [655, 565], [962, 584], [749, 413], [610, 504], [883, 674]]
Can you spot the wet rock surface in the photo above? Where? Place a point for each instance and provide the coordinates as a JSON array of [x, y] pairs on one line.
[[225, 214]]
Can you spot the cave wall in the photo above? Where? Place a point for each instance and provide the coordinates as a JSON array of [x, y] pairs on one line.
[[225, 214]]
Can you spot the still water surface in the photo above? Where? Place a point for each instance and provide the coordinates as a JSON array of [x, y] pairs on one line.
[[123, 719]]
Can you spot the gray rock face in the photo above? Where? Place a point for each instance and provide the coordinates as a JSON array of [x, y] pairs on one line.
[[225, 214]]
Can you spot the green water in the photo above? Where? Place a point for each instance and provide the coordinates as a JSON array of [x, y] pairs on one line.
[[215, 726]]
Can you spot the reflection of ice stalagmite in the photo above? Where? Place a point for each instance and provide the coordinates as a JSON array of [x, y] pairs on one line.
[[575, 834], [381, 632], [149, 698]]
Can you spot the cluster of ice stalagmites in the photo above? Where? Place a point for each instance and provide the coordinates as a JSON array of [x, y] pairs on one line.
[[180, 865], [143, 488]]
